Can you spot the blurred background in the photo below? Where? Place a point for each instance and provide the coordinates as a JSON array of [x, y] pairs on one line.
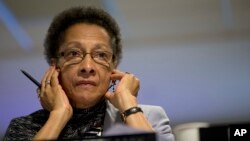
[[191, 56]]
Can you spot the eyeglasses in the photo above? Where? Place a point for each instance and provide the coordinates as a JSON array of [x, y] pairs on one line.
[[75, 56]]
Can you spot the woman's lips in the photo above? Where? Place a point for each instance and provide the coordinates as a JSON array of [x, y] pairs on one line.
[[86, 83]]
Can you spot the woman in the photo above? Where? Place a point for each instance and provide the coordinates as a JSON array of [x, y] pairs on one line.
[[83, 49]]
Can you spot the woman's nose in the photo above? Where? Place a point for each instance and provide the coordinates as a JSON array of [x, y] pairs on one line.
[[87, 65]]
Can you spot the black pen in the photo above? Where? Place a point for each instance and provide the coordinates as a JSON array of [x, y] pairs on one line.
[[31, 78]]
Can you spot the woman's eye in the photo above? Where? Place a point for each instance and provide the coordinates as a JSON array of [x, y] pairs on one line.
[[73, 54], [102, 55]]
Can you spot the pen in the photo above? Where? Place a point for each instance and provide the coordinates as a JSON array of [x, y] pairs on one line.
[[31, 78]]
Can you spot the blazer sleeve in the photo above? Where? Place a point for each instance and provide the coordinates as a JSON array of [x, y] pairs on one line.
[[159, 121]]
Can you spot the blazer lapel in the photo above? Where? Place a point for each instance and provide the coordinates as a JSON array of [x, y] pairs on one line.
[[112, 116]]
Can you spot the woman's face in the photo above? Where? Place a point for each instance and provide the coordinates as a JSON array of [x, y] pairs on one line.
[[86, 81]]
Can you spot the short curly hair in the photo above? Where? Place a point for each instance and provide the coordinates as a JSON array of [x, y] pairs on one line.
[[90, 15]]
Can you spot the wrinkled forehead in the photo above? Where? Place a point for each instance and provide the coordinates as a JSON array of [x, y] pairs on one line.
[[79, 35], [74, 45]]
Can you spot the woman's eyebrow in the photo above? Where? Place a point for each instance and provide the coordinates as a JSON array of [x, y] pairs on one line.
[[72, 43], [101, 46], [66, 45]]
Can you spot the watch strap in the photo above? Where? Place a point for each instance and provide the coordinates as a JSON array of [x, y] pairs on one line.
[[130, 111]]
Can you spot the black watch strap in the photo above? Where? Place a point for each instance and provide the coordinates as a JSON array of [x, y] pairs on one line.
[[130, 111]]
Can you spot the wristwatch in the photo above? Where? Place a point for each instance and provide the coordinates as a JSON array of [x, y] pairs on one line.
[[130, 111]]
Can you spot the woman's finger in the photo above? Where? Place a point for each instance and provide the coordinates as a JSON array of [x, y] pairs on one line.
[[44, 80], [117, 75], [49, 76], [54, 78]]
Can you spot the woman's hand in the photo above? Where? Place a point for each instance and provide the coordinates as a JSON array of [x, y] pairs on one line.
[[53, 99], [52, 96], [125, 97], [125, 94]]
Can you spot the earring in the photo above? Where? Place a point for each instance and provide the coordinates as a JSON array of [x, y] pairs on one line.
[[113, 85]]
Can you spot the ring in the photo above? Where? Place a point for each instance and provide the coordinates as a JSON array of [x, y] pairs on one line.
[[47, 82]]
